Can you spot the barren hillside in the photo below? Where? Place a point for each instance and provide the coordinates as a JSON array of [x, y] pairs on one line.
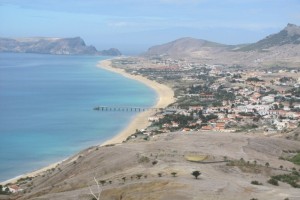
[[142, 170], [280, 49]]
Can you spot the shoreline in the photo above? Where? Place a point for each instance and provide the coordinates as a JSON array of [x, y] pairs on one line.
[[165, 96]]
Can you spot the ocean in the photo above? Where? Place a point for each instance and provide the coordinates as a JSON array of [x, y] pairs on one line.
[[46, 108]]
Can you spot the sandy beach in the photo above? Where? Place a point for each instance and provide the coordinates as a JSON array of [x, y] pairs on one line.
[[165, 97], [31, 174]]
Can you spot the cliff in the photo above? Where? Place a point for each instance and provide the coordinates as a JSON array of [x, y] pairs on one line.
[[57, 46]]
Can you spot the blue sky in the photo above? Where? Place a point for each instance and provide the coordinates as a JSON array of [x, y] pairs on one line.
[[135, 25]]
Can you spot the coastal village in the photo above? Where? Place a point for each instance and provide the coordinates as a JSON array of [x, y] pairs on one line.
[[220, 98], [213, 102], [150, 100]]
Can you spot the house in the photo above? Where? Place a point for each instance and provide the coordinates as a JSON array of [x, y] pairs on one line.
[[206, 96], [14, 188], [153, 119], [220, 125], [268, 99], [207, 128]]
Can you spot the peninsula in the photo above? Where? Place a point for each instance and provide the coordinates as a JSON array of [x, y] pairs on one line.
[[57, 46]]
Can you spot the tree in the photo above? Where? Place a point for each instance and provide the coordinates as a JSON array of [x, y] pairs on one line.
[[281, 106], [196, 174], [102, 182], [124, 179], [281, 167], [267, 164], [174, 174], [139, 176]]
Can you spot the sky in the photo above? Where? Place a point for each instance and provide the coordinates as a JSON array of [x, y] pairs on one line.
[[135, 25]]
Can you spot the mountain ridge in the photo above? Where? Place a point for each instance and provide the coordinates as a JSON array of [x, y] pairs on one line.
[[51, 45], [282, 48]]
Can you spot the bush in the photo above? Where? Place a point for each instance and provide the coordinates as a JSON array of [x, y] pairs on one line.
[[273, 181], [154, 162], [255, 183], [291, 179], [144, 159]]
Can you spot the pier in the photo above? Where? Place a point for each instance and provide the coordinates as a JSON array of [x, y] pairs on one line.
[[126, 109]]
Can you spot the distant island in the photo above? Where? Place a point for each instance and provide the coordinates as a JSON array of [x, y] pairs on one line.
[[56, 46]]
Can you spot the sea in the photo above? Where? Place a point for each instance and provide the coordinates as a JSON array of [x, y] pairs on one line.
[[46, 108]]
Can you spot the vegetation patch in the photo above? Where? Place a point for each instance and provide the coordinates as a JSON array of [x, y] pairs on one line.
[[144, 159], [291, 179], [273, 181], [295, 159], [246, 166]]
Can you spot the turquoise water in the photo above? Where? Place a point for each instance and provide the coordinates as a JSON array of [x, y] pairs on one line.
[[46, 108]]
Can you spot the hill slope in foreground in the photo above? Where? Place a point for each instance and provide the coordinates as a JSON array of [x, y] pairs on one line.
[[143, 170]]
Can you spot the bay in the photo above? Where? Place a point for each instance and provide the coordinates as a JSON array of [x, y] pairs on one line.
[[46, 108]]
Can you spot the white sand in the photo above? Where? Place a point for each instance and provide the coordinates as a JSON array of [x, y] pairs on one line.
[[165, 97]]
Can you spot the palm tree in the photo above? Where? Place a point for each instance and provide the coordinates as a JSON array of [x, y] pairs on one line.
[[196, 174]]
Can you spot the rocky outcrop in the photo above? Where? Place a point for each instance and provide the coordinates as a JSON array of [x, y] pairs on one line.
[[57, 46]]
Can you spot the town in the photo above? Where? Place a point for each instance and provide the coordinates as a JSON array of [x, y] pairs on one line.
[[220, 98]]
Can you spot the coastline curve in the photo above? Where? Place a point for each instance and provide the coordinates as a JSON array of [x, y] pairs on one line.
[[165, 98]]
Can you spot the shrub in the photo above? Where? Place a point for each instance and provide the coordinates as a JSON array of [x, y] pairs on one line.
[[255, 183], [273, 181], [144, 159], [154, 162]]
